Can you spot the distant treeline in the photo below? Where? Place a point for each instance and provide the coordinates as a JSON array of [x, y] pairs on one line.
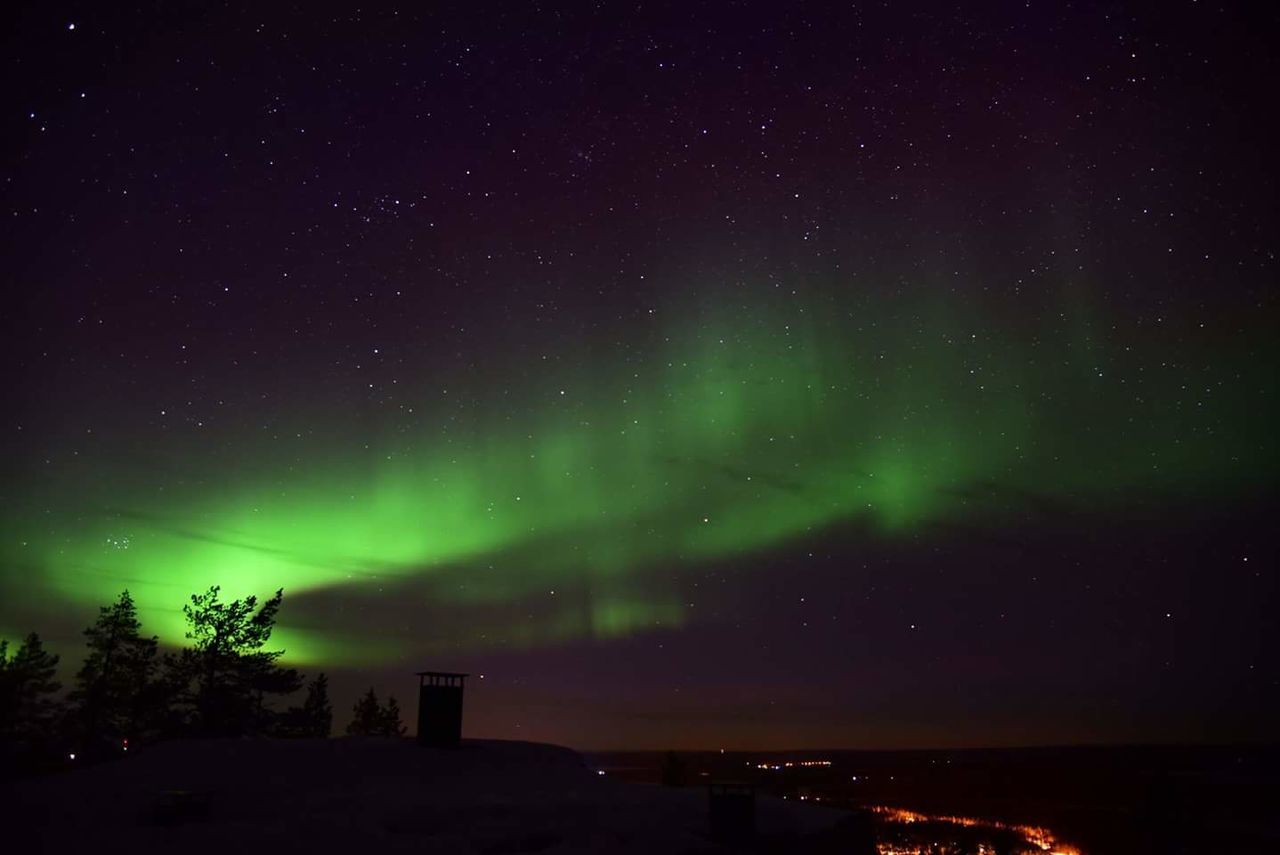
[[128, 693]]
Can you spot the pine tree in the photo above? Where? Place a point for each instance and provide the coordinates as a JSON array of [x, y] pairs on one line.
[[312, 720], [174, 711], [316, 709], [115, 691], [390, 719], [27, 686], [261, 677], [232, 675], [367, 716], [8, 695]]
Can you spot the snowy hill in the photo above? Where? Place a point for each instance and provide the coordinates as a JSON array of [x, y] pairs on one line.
[[367, 795]]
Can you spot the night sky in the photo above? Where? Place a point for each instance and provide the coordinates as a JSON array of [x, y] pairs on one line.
[[753, 375]]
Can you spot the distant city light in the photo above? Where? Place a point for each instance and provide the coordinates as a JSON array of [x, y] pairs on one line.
[[1037, 836], [789, 764]]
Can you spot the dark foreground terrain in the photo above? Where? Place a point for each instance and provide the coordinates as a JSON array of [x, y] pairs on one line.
[[369, 795], [1099, 801], [390, 795]]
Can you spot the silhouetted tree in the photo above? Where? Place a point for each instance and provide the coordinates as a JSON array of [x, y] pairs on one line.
[[174, 711], [227, 674], [115, 694], [264, 678], [27, 687], [367, 716], [391, 724], [318, 711], [315, 717]]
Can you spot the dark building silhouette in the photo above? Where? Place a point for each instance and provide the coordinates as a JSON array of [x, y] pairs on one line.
[[440, 708]]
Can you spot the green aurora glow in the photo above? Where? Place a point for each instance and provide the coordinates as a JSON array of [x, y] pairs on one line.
[[731, 432]]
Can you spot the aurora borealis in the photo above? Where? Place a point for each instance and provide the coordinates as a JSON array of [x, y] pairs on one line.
[[601, 370], [743, 437]]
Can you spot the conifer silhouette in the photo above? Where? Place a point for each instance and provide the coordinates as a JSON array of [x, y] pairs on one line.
[[27, 687], [314, 719], [367, 719], [316, 708], [391, 724], [115, 694], [226, 673]]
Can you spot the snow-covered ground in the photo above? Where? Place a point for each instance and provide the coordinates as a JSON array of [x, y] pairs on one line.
[[365, 796]]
